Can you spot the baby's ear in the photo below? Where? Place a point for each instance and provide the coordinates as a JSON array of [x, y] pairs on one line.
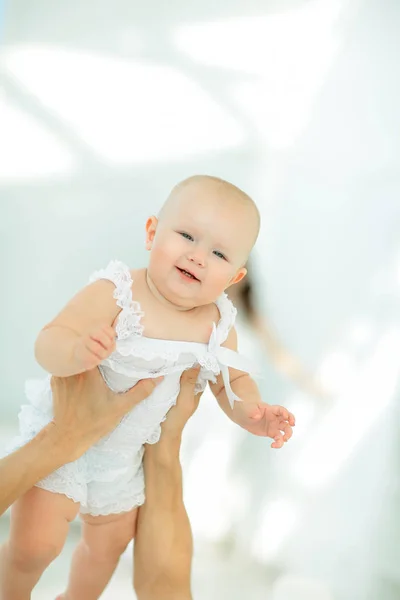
[[239, 276], [151, 226]]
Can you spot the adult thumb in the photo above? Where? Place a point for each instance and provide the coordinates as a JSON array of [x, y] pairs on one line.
[[190, 376], [141, 390]]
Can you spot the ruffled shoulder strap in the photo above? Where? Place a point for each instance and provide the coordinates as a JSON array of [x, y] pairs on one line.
[[227, 319], [129, 318]]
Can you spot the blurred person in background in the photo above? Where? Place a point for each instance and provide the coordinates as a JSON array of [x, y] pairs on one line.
[[244, 297], [199, 245]]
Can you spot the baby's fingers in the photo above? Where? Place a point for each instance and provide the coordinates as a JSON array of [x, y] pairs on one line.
[[278, 442], [282, 412], [96, 349], [109, 331], [286, 430], [104, 338]]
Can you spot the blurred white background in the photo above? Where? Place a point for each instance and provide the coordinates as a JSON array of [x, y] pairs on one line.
[[103, 108]]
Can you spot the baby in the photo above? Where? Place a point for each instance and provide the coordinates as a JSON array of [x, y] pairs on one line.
[[134, 324]]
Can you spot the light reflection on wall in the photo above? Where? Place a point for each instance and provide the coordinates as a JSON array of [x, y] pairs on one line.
[[126, 111], [285, 57], [28, 151], [370, 392]]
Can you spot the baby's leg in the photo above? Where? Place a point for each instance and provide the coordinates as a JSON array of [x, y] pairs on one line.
[[39, 526], [96, 557]]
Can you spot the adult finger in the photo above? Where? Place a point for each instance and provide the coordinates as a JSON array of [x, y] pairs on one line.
[[189, 377], [187, 398], [137, 393], [188, 383]]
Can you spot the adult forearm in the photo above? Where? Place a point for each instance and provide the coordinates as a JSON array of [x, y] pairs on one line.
[[23, 468], [163, 473], [163, 544], [54, 351]]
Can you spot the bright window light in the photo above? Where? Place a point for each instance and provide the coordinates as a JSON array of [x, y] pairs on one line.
[[361, 333], [337, 371], [355, 413], [284, 56], [295, 587], [210, 495], [277, 521], [398, 271], [126, 111], [27, 150]]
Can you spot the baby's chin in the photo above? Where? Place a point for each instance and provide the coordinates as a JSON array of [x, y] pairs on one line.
[[187, 299], [185, 294]]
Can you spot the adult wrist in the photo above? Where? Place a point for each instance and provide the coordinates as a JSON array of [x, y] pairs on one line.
[[166, 451], [66, 445]]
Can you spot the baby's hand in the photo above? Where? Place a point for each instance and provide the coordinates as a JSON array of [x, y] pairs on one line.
[[265, 420], [91, 349]]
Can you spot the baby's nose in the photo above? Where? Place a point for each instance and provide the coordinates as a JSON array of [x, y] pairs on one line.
[[198, 258]]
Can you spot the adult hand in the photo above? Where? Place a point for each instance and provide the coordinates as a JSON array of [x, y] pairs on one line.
[[186, 404], [85, 409]]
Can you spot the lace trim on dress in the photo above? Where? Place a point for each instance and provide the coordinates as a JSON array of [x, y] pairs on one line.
[[228, 315], [96, 509], [129, 318], [209, 364], [118, 506]]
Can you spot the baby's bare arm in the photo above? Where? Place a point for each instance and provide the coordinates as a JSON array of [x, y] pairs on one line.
[[251, 413], [80, 336], [242, 384], [245, 388]]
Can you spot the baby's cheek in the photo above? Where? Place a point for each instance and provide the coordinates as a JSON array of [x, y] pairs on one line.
[[161, 256]]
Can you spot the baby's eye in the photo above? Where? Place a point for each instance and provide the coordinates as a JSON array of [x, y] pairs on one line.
[[186, 235], [219, 254]]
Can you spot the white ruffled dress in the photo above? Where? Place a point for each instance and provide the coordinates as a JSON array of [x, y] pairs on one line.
[[108, 478]]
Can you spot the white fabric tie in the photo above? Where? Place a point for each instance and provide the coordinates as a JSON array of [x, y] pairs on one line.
[[228, 358]]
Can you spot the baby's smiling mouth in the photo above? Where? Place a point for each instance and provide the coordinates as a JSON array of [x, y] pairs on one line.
[[188, 274]]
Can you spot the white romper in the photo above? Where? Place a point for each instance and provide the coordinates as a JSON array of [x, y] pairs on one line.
[[108, 478]]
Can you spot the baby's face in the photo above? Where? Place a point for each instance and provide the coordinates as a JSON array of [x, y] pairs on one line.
[[198, 248]]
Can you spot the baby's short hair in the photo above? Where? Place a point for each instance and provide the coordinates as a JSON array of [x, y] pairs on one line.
[[227, 188]]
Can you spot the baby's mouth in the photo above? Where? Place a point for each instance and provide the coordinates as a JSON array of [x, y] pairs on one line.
[[188, 274]]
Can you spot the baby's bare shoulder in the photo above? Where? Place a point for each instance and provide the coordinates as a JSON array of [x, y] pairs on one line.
[[207, 315], [137, 275], [211, 313], [138, 281]]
